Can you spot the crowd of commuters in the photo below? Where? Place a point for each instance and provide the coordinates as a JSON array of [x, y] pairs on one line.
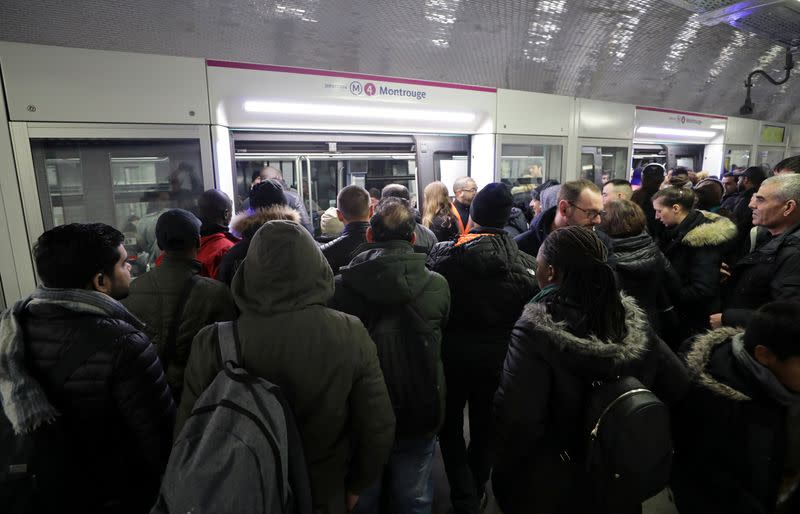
[[512, 312]]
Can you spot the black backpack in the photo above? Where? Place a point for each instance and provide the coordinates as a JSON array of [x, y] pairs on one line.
[[33, 465], [410, 357], [629, 455]]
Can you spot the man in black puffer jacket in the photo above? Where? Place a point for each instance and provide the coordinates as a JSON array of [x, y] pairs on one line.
[[490, 280], [116, 407]]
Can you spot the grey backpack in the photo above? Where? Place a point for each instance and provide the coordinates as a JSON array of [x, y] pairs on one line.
[[239, 450]]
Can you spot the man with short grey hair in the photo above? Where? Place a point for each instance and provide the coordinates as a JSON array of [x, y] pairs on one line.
[[771, 271]]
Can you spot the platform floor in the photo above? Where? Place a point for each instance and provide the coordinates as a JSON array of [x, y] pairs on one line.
[[660, 504]]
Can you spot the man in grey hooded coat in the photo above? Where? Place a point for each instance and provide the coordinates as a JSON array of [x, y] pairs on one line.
[[323, 360]]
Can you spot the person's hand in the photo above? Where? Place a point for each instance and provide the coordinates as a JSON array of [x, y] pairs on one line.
[[715, 320], [724, 273], [350, 501]]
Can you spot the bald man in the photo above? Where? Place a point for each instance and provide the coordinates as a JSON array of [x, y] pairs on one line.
[[214, 209], [464, 190]]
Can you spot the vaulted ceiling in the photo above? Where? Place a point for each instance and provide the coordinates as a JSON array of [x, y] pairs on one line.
[[646, 52]]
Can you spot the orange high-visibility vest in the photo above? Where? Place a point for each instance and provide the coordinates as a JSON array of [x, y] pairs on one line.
[[463, 226]]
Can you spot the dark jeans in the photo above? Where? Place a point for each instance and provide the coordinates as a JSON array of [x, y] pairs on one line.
[[467, 468], [406, 482]]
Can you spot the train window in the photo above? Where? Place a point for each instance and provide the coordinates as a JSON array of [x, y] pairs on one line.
[[124, 183], [524, 166], [738, 156], [767, 158], [600, 164]]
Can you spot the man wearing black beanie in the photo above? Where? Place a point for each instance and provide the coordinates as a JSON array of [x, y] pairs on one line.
[[267, 203], [490, 282]]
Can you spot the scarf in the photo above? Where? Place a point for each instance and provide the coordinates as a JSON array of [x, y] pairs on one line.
[[24, 401]]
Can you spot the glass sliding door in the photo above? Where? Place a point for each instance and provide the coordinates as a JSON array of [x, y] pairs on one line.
[[601, 160]]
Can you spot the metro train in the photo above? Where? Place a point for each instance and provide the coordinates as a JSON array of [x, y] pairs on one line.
[[115, 137]]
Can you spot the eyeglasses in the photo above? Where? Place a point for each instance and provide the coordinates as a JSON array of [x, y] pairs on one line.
[[473, 190], [590, 213]]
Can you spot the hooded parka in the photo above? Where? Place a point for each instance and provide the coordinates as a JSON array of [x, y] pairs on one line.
[[730, 435], [323, 360], [695, 248], [539, 407]]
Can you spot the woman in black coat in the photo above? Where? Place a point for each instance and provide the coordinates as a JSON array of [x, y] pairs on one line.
[[642, 270], [694, 242], [578, 329], [438, 214]]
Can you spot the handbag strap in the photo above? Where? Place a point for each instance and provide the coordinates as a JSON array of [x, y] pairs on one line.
[[171, 340]]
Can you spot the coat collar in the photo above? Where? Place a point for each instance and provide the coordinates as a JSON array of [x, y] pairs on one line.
[[633, 346], [698, 361]]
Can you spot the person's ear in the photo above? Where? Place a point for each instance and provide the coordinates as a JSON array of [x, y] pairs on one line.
[[764, 355], [562, 207], [340, 215], [791, 207], [370, 239], [101, 283], [413, 239]]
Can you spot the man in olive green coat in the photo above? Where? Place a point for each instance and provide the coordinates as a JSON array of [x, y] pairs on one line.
[[175, 289], [323, 360]]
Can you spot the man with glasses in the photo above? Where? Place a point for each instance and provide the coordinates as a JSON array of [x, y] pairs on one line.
[[580, 203], [464, 189]]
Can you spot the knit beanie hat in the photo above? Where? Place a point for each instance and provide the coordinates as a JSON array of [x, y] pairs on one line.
[[491, 207], [177, 230], [266, 194]]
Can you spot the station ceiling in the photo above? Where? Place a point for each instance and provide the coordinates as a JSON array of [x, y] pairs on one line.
[[646, 52]]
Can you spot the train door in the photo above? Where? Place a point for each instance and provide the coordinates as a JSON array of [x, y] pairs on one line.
[[318, 166], [524, 162], [767, 157]]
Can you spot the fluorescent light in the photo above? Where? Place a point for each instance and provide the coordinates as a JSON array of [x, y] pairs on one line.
[[675, 132], [356, 111], [717, 126]]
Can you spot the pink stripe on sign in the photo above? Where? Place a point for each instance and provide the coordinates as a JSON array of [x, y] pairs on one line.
[[685, 113], [340, 74]]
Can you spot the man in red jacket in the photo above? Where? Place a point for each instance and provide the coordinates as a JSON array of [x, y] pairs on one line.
[[215, 209]]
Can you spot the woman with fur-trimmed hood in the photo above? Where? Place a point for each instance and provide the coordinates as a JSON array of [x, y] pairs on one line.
[[577, 330], [737, 433], [267, 203], [694, 242]]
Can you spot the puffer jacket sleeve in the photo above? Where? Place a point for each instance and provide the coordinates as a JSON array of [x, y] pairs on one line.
[[372, 421], [143, 397], [520, 403]]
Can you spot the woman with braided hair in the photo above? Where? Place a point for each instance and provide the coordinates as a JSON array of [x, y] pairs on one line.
[[577, 330]]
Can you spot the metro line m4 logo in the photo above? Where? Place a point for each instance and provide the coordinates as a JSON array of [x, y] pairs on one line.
[[368, 89]]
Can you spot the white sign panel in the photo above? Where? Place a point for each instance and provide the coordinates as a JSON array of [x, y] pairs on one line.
[[260, 96], [664, 125]]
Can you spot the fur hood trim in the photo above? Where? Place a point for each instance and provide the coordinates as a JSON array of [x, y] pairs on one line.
[[699, 356], [720, 230], [247, 223], [632, 347]]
